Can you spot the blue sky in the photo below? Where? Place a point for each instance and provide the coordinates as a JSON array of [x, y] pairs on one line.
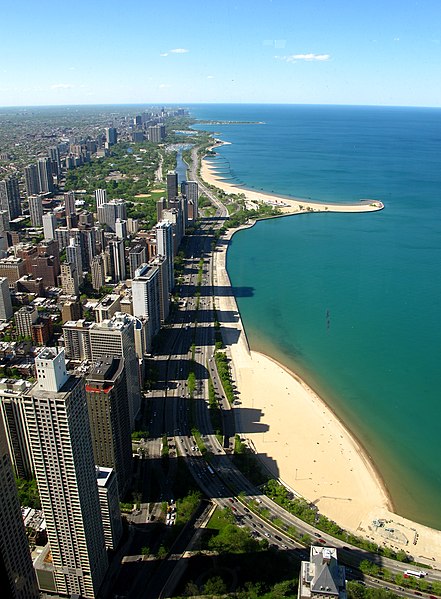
[[380, 52]]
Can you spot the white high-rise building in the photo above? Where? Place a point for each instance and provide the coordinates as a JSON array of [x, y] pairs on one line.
[[145, 297], [121, 228], [118, 260], [100, 197], [5, 300], [36, 210], [73, 255], [59, 434], [49, 225], [164, 247]]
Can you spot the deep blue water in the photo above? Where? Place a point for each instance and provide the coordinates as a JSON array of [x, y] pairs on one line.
[[350, 301]]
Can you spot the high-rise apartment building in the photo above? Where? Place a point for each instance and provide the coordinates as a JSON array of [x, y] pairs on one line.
[[45, 179], [137, 256], [111, 136], [172, 185], [5, 300], [17, 576], [156, 133], [49, 225], [118, 260], [109, 502], [59, 433], [97, 270], [145, 296], [165, 247], [10, 197], [322, 576], [36, 210], [121, 228], [191, 190], [24, 318], [73, 255], [116, 337], [69, 278], [100, 197], [108, 406], [164, 286], [31, 180], [12, 392]]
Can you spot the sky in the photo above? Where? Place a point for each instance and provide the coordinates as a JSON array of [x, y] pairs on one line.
[[369, 52]]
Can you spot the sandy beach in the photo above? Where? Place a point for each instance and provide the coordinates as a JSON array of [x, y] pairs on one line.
[[284, 204], [297, 436]]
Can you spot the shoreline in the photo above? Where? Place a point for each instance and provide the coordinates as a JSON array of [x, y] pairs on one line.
[[341, 479], [286, 204]]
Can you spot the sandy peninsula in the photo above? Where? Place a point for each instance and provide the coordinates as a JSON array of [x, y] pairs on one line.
[[294, 432]]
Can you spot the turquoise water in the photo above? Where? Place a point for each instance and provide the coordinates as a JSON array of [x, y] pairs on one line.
[[350, 301]]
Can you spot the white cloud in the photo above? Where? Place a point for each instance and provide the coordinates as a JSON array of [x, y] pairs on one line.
[[210, 76], [164, 85], [305, 57], [164, 54], [62, 86], [179, 51]]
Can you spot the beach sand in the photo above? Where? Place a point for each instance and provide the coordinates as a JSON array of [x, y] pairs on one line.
[[300, 440]]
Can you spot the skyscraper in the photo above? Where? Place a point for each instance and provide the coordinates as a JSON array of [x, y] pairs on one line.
[[17, 576], [108, 407], [165, 247], [36, 210], [69, 206], [191, 190], [137, 256], [5, 300], [145, 294], [73, 255], [45, 179], [172, 185], [109, 502], [69, 278], [59, 433], [163, 285], [118, 260], [116, 337], [97, 269], [100, 197], [10, 197], [49, 225], [31, 180], [111, 136]]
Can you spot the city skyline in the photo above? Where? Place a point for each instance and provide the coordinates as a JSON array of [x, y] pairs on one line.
[[265, 52]]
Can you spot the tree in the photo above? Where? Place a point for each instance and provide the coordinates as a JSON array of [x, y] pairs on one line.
[[215, 586]]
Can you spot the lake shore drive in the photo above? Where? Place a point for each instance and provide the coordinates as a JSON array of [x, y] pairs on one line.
[[293, 431]]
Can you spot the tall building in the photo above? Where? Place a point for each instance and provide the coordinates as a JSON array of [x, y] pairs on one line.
[[69, 206], [156, 133], [24, 318], [145, 295], [118, 260], [172, 185], [165, 247], [109, 502], [121, 228], [108, 406], [174, 215], [109, 212], [36, 210], [116, 337], [12, 417], [31, 180], [100, 197], [45, 179], [71, 311], [54, 154], [97, 270], [69, 278], [164, 286], [73, 255], [59, 434], [137, 256], [322, 576], [17, 576], [111, 136], [191, 190], [76, 335], [106, 308], [6, 311], [10, 197], [49, 225]]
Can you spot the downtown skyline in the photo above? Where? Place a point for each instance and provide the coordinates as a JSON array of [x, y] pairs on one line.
[[265, 52]]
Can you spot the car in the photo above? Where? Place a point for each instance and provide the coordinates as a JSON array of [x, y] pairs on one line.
[[230, 499], [246, 509], [277, 537], [259, 524], [418, 593], [267, 534]]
